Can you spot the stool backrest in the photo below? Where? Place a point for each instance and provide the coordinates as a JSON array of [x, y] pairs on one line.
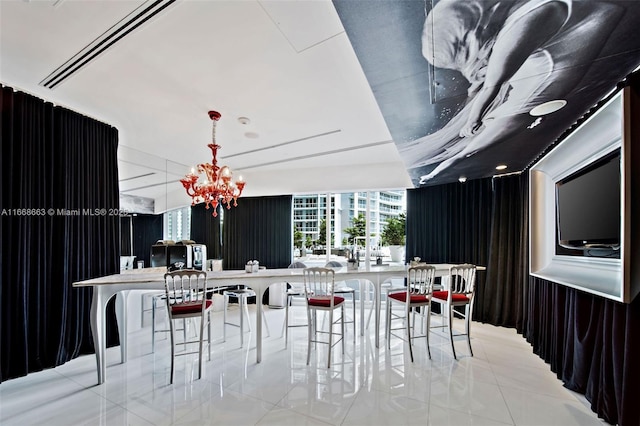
[[319, 282], [185, 287], [420, 279], [462, 279]]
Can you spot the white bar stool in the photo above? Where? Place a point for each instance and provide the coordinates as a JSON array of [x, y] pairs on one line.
[[291, 293], [242, 295]]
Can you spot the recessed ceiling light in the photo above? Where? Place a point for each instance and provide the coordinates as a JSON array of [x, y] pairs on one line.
[[501, 167], [251, 135], [548, 107], [462, 179], [244, 120]]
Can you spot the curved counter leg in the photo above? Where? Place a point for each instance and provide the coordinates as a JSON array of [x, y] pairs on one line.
[[259, 296], [121, 316], [98, 329]]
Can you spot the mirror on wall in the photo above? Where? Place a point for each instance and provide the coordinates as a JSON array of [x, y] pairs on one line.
[[148, 183]]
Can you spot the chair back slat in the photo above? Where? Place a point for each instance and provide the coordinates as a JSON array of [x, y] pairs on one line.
[[319, 282], [420, 279], [185, 287], [462, 279]]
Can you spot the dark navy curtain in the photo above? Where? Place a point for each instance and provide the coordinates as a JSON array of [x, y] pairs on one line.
[[450, 223], [260, 228], [138, 233], [500, 301], [126, 242], [206, 229], [147, 230], [59, 194], [592, 345]]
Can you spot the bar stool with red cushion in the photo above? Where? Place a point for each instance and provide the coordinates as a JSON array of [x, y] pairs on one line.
[[460, 292], [416, 294], [186, 298], [319, 291]]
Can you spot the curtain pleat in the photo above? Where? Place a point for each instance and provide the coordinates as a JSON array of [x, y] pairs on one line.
[[501, 300], [591, 344], [125, 236], [62, 168], [260, 228], [205, 229], [450, 224], [147, 230]]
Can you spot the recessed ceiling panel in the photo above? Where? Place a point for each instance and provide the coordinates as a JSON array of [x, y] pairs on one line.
[[304, 23]]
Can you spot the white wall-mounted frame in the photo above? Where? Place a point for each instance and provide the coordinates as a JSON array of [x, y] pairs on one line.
[[607, 130]]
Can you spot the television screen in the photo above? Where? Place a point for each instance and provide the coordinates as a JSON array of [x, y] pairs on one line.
[[588, 206]]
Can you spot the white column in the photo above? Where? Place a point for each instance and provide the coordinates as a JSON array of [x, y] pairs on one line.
[[367, 250], [328, 227]]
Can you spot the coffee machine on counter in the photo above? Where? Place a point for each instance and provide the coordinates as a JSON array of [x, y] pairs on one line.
[[186, 252]]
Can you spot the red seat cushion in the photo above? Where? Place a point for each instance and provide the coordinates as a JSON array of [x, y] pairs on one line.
[[189, 308], [325, 301], [401, 296], [455, 297]]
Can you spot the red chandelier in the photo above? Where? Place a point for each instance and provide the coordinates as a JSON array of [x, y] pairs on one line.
[[217, 187]]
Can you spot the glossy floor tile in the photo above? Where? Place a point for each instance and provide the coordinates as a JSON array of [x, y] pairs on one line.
[[504, 383]]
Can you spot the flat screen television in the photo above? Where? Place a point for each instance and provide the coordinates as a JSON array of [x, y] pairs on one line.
[[588, 206]]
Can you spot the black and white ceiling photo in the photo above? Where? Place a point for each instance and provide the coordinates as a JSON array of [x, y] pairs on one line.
[[466, 85]]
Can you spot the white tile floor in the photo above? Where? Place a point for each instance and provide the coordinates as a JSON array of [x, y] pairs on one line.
[[504, 383]]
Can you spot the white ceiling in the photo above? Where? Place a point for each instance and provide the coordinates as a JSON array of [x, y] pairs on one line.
[[286, 65]]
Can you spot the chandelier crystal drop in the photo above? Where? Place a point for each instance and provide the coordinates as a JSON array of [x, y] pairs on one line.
[[217, 187]]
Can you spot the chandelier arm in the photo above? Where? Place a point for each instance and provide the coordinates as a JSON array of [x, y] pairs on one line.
[[218, 187]]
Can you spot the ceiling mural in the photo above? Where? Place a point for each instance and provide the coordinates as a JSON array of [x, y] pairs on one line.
[[466, 85]]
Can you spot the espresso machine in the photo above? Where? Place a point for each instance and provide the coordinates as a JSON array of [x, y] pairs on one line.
[[185, 254]]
